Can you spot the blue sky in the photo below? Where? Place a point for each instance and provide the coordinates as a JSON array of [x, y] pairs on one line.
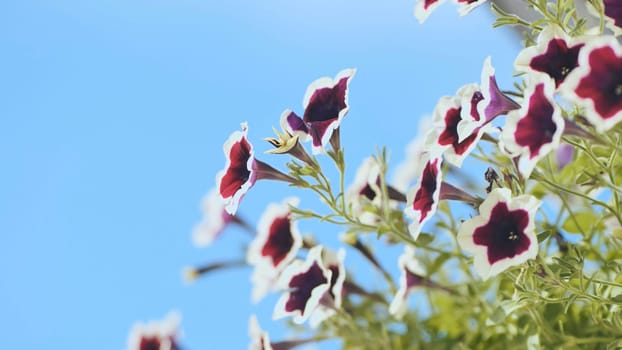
[[112, 119]]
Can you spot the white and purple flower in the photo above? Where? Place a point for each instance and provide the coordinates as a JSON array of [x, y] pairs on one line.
[[411, 276], [305, 285], [276, 244], [334, 262], [536, 128], [424, 8], [424, 197], [215, 219], [481, 104], [555, 54], [596, 84], [325, 104], [155, 335], [503, 234], [242, 170]]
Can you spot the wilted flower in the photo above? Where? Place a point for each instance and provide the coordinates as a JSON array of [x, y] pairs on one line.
[[503, 234], [325, 104], [155, 335]]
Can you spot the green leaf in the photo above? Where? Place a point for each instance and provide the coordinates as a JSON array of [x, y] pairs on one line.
[[425, 239], [544, 235]]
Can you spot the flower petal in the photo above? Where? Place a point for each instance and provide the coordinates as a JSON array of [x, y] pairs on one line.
[[238, 176], [535, 129], [503, 234], [305, 284], [424, 197]]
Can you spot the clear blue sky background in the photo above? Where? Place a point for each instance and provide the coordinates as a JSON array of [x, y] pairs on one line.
[[112, 118]]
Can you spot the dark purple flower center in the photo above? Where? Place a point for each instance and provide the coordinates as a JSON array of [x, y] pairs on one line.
[[537, 127], [424, 198], [504, 234], [557, 61], [237, 174], [603, 83], [613, 9], [449, 136], [302, 286], [326, 103], [280, 240]]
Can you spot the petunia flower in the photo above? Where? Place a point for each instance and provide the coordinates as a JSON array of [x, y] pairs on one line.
[[325, 104], [536, 129], [466, 6], [333, 299], [423, 8], [215, 219], [305, 284], [155, 335], [424, 197], [481, 104], [407, 171], [448, 114], [366, 191], [555, 54], [503, 234], [276, 244], [411, 276], [242, 170], [596, 84]]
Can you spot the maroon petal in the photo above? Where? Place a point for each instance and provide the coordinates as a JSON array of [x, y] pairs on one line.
[[558, 60], [449, 136], [504, 234], [237, 174], [326, 104], [280, 240], [425, 196], [296, 123], [537, 127], [302, 286], [603, 83]]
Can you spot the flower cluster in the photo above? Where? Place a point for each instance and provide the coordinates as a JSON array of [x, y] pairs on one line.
[[506, 210]]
